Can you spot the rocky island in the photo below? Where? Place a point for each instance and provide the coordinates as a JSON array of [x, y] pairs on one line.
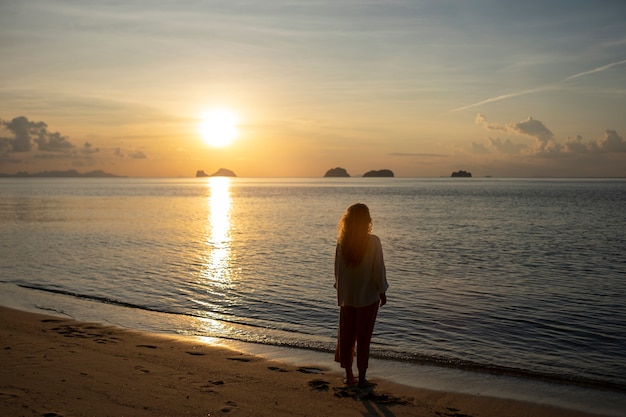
[[461, 174], [383, 173], [342, 173], [337, 172], [222, 172]]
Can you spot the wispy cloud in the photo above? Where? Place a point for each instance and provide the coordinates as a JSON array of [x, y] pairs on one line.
[[541, 88], [595, 70], [504, 97]]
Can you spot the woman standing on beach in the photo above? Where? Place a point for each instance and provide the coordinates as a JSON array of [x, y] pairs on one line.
[[361, 283]]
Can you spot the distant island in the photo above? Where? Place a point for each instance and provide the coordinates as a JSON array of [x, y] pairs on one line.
[[222, 172], [342, 173], [461, 174], [385, 173], [70, 173], [337, 172]]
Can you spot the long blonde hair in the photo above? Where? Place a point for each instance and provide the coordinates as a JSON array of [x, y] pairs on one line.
[[353, 231]]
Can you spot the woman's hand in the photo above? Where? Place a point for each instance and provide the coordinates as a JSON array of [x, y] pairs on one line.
[[383, 299]]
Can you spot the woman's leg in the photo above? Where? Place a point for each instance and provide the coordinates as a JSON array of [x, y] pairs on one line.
[[366, 317], [346, 341]]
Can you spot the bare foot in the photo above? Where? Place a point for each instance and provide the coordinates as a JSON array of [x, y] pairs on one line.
[[350, 379], [366, 384]]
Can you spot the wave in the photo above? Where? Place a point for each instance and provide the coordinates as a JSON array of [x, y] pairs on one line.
[[112, 301], [498, 370], [290, 339]]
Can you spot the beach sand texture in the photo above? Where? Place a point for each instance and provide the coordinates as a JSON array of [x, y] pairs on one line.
[[53, 367]]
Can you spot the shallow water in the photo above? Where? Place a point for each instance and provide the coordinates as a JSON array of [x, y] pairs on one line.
[[517, 277]]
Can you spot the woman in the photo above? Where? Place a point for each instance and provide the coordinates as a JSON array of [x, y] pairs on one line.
[[361, 283]]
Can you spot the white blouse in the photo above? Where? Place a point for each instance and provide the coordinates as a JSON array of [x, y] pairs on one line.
[[361, 286]]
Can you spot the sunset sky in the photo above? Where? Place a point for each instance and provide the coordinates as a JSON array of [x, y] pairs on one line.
[[424, 88]]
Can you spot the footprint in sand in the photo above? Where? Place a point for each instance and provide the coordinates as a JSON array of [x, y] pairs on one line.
[[208, 387], [78, 332], [4, 395], [142, 369], [69, 331], [104, 341], [308, 370], [452, 412], [342, 393], [229, 407], [277, 369], [195, 353], [215, 383], [319, 385], [239, 359]]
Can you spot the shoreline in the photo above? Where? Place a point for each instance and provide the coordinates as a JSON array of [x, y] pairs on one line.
[[60, 367], [436, 378]]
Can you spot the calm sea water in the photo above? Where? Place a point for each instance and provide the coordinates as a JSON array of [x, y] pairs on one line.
[[520, 277]]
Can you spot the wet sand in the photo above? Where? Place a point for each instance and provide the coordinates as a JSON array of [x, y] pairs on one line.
[[53, 367]]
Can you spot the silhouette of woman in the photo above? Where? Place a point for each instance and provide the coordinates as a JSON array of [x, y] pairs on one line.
[[361, 283]]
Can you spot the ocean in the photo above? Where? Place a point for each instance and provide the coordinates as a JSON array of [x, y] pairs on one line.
[[505, 278]]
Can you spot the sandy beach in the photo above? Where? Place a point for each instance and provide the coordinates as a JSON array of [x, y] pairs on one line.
[[53, 367]]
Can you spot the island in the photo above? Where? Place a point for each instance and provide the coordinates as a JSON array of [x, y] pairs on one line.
[[385, 173], [462, 174], [222, 172], [336, 172]]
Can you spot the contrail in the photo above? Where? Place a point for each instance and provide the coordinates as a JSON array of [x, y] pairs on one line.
[[503, 97], [593, 71], [538, 89]]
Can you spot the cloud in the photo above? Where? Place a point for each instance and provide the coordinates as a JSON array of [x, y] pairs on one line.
[[23, 141], [575, 145], [610, 142], [544, 138], [53, 142], [28, 135], [133, 154], [137, 155], [479, 148], [505, 146], [529, 127], [533, 128], [545, 144], [89, 149], [20, 127]]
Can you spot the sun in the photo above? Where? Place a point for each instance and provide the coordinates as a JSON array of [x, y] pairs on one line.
[[218, 127]]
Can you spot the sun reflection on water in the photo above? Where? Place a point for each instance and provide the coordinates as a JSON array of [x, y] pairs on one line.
[[218, 262]]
